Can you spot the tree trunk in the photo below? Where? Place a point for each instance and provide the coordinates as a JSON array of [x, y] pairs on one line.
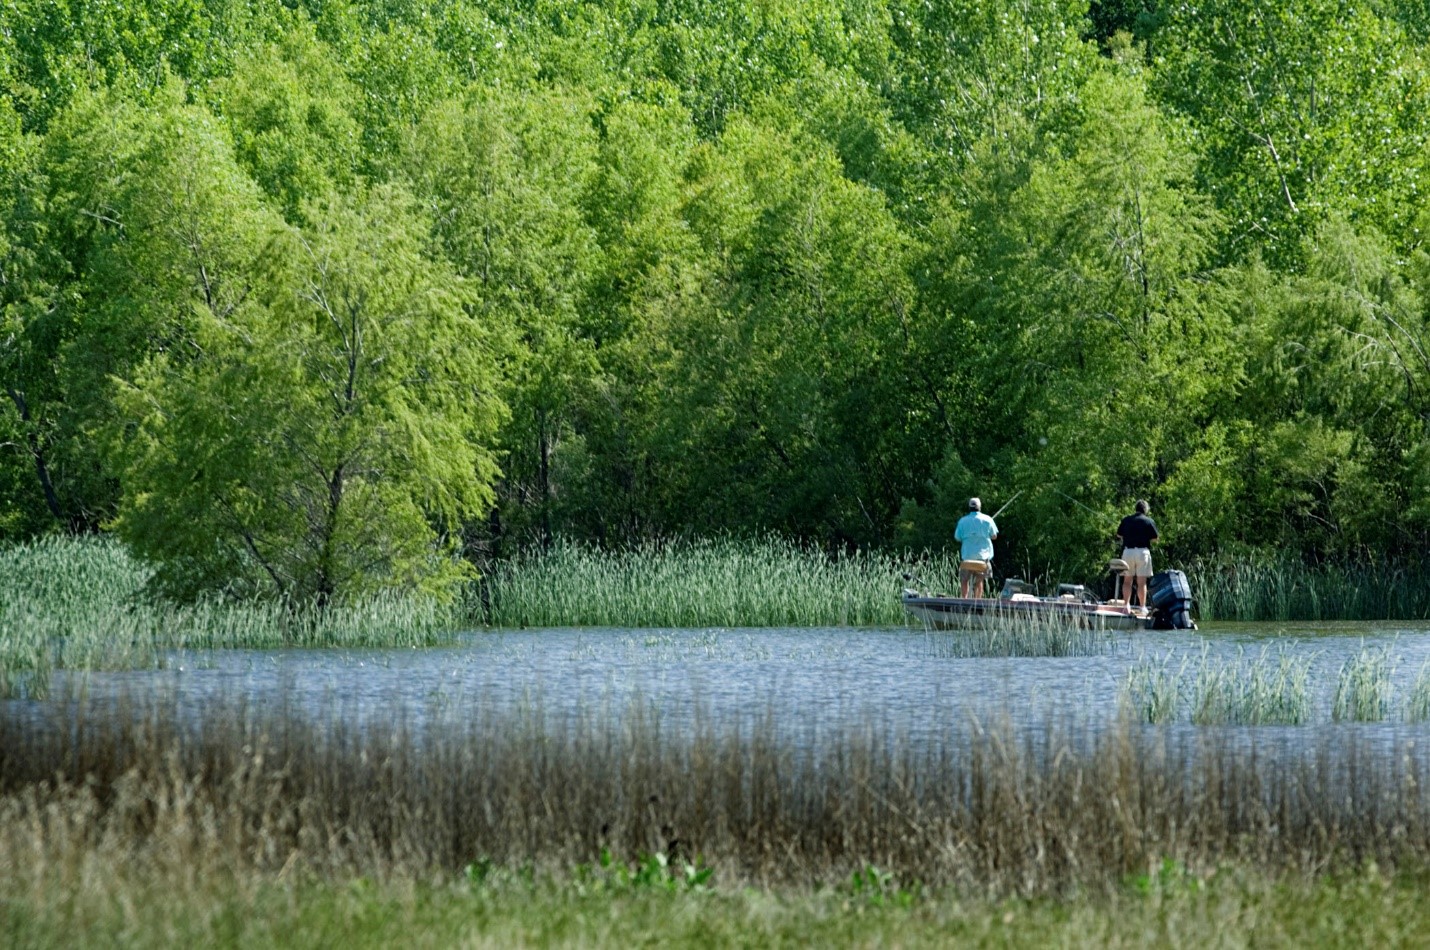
[[37, 452], [544, 478]]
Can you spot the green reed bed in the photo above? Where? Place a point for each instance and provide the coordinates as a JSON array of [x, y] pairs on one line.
[[1277, 589], [988, 813], [1271, 689], [1363, 688], [80, 603], [767, 582], [1264, 689], [1022, 636], [1417, 701]]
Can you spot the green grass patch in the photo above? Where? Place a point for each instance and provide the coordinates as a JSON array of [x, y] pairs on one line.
[[1230, 907]]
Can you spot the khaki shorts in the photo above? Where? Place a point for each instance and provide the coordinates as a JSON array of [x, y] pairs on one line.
[[1139, 561]]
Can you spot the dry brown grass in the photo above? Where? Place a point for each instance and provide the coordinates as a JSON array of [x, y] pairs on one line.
[[245, 791]]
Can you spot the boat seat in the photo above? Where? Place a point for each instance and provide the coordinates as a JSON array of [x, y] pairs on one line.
[[974, 567], [1117, 566], [1023, 597]]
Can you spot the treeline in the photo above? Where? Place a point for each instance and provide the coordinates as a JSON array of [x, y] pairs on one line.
[[313, 297]]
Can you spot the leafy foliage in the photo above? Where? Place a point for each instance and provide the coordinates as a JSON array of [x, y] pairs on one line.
[[825, 267]]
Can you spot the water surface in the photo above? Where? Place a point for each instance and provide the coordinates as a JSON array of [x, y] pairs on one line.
[[802, 679]]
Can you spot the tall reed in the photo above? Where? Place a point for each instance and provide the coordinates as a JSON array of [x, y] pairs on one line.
[[80, 603], [723, 582], [1417, 701], [1363, 688], [1152, 691], [1275, 587], [988, 810], [1260, 690]]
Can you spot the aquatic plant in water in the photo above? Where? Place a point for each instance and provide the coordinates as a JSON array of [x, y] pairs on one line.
[[1024, 636], [1417, 702], [1264, 690], [1152, 691], [80, 603], [1363, 689], [721, 582]]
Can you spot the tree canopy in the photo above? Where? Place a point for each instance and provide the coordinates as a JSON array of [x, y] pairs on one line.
[[309, 299]]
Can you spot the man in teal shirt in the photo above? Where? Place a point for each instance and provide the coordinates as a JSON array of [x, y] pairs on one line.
[[976, 532]]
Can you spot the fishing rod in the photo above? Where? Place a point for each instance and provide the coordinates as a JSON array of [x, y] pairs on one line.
[[1007, 503]]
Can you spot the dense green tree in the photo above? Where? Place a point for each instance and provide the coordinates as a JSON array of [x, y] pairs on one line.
[[1092, 357], [61, 46], [329, 433], [113, 224], [505, 173], [1303, 110], [289, 106], [773, 407], [650, 272], [821, 266]]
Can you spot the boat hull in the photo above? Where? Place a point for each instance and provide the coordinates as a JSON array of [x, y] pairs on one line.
[[962, 613]]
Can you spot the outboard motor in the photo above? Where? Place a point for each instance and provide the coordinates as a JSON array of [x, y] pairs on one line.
[[1171, 598]]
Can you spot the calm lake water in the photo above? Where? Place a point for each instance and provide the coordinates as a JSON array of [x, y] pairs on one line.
[[809, 680]]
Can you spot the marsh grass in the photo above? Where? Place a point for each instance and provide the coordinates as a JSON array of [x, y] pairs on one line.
[[1022, 635], [1277, 588], [1363, 687], [79, 603], [1264, 689], [722, 582], [988, 811], [1152, 691], [1417, 699]]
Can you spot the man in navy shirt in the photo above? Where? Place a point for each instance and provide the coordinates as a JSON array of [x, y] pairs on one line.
[[1137, 532]]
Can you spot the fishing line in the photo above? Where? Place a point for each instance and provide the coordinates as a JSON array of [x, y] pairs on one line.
[[1099, 515]]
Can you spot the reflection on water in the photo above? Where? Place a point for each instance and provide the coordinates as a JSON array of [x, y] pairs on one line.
[[800, 680]]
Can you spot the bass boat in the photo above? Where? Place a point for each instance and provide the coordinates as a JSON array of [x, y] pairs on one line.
[[1168, 592]]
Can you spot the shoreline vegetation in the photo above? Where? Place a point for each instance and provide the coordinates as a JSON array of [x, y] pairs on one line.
[[83, 603], [271, 825], [275, 826]]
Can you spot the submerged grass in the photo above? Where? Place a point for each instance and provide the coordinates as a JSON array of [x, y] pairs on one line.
[[1417, 702], [1363, 688], [1025, 635], [1152, 691], [1263, 690]]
